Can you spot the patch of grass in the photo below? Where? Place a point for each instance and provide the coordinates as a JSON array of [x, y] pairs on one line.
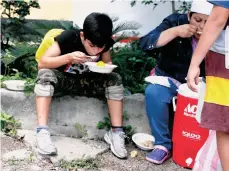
[[82, 129], [106, 124], [13, 162], [31, 157], [9, 124], [129, 131], [88, 163], [29, 82]]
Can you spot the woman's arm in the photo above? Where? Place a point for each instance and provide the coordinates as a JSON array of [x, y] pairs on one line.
[[184, 31], [211, 31]]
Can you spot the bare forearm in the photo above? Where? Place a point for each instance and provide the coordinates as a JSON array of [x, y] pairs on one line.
[[106, 57], [167, 36], [54, 62], [211, 31], [105, 60]]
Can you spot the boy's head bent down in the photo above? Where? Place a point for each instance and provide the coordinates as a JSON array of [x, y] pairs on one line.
[[96, 33]]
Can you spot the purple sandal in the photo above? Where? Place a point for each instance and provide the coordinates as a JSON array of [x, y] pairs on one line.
[[158, 155]]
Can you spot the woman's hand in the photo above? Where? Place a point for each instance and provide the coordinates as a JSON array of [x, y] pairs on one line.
[[193, 77], [186, 30]]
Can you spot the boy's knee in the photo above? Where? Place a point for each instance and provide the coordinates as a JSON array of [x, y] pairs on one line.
[[46, 76], [46, 79], [44, 90], [114, 89], [114, 79], [115, 92]]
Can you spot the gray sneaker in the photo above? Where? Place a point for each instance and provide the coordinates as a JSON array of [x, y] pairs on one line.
[[44, 143], [117, 143]]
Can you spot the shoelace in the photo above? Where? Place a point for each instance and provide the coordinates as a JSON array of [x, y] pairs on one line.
[[122, 137]]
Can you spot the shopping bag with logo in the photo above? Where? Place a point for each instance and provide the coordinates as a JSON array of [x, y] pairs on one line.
[[207, 158]]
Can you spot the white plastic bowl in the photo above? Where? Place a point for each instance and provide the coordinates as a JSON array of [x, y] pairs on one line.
[[139, 138], [106, 69], [17, 85]]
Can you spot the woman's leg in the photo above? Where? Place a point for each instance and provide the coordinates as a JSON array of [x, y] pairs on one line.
[[223, 149], [157, 108]]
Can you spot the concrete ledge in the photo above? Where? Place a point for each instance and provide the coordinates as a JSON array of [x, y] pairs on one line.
[[67, 111]]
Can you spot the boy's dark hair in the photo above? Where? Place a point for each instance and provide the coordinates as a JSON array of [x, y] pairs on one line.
[[97, 28]]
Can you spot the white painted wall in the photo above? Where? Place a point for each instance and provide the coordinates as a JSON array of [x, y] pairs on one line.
[[77, 10], [144, 14], [52, 10]]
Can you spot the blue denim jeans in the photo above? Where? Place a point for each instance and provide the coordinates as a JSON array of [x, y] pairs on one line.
[[158, 98]]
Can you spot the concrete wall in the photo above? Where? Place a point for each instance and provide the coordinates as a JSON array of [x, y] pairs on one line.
[[67, 112]]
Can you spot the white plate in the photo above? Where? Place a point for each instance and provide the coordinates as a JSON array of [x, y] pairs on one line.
[[153, 79], [139, 138], [106, 69], [18, 85]]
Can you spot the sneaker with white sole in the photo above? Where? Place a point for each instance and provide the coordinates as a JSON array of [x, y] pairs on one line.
[[44, 143], [117, 143]]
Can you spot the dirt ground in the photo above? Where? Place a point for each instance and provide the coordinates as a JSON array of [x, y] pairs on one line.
[[104, 162]]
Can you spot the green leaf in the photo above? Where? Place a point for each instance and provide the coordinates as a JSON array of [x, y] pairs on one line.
[[125, 116], [100, 125], [133, 3], [127, 25]]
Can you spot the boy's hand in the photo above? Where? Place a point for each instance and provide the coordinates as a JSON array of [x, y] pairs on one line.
[[78, 57], [186, 30]]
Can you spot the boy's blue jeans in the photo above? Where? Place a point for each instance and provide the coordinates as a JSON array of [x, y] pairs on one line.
[[158, 98]]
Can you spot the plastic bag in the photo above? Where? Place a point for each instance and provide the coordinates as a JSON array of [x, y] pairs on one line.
[[200, 104], [207, 158]]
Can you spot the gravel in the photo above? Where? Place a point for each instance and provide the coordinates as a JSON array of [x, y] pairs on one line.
[[105, 162]]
